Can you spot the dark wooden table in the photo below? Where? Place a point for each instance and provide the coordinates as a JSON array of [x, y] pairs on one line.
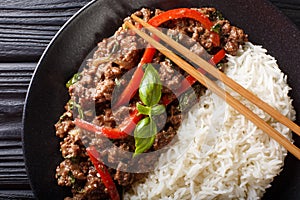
[[26, 27]]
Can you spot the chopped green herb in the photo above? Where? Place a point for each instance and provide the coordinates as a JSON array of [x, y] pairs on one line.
[[71, 177], [75, 159], [151, 111], [73, 105], [62, 117], [76, 77], [115, 48], [216, 28]]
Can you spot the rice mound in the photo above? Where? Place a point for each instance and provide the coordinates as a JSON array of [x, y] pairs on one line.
[[220, 154]]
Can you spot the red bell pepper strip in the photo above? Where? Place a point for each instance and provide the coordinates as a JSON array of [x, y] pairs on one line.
[[104, 173], [150, 51], [181, 13], [217, 57], [112, 133], [215, 38], [186, 13]]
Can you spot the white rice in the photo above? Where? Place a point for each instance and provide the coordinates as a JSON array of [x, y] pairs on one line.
[[220, 154]]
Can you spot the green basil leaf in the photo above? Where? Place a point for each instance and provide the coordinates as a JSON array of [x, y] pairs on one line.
[[73, 80], [144, 110], [150, 87], [143, 145], [145, 128], [144, 135], [158, 110]]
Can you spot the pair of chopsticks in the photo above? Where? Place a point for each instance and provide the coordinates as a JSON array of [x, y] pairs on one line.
[[216, 89]]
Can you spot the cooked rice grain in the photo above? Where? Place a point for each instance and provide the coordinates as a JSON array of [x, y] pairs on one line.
[[220, 154]]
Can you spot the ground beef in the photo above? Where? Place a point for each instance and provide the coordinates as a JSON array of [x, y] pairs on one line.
[[164, 138], [105, 119], [126, 178], [67, 172], [169, 76], [64, 124], [123, 178], [117, 154], [72, 146], [122, 113], [175, 120], [144, 13], [104, 91], [235, 38], [93, 189], [123, 49]]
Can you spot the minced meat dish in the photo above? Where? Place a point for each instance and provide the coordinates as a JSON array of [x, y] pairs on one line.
[[109, 130]]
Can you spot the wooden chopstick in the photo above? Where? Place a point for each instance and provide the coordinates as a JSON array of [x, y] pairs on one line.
[[221, 76], [214, 88]]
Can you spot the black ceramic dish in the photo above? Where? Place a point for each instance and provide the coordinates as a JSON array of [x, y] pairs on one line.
[[47, 94]]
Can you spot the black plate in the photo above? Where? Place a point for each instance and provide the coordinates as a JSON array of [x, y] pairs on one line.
[[47, 94]]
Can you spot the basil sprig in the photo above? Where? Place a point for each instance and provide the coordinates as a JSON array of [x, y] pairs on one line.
[[150, 94]]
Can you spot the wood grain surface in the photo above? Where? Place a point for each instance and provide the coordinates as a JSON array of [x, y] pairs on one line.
[[26, 28]]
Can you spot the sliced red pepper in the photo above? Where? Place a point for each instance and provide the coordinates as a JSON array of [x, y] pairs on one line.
[[217, 57], [215, 38], [181, 13], [150, 51], [104, 173], [112, 133]]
